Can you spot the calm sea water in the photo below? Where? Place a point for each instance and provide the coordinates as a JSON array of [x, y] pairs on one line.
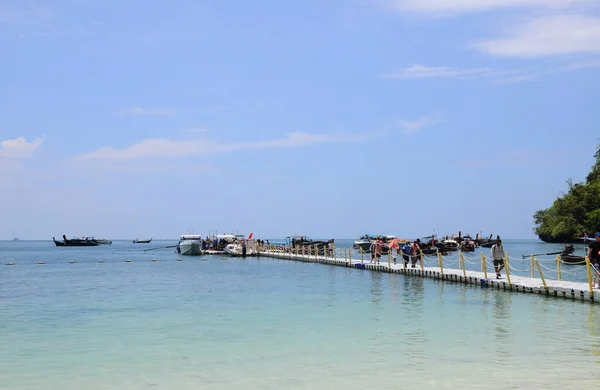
[[274, 324]]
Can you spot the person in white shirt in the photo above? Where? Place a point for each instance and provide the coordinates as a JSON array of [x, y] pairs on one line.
[[498, 257]]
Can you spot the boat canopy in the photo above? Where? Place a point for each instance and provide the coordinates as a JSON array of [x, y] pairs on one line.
[[190, 237]]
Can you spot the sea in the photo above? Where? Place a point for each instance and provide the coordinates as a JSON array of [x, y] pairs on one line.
[[145, 320]]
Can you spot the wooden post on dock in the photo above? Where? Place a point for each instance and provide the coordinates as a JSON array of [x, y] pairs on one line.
[[440, 261], [350, 255], [558, 266], [507, 268], [389, 258], [345, 255], [421, 260], [334, 253], [484, 266], [462, 263], [589, 272], [362, 260], [531, 265], [541, 274]]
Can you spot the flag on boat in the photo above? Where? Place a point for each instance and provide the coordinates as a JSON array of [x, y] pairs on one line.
[[250, 236]]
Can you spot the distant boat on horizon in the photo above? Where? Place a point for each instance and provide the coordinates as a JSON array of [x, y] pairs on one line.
[[142, 241], [16, 239]]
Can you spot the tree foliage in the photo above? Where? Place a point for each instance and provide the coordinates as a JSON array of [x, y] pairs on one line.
[[573, 213]]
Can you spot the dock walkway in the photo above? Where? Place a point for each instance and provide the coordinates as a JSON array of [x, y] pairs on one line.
[[548, 287]]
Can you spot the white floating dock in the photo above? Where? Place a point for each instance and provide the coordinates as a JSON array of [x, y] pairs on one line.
[[554, 288]]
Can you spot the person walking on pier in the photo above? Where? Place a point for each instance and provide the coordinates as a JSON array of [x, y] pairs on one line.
[[394, 247], [378, 250], [594, 256], [498, 257], [406, 253], [414, 253]]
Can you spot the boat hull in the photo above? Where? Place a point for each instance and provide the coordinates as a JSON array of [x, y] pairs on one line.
[[190, 248], [571, 259], [238, 252], [76, 242]]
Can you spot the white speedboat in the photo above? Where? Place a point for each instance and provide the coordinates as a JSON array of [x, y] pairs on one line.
[[190, 245], [451, 245], [237, 248]]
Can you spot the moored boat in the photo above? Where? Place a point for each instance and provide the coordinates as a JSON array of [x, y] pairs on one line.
[[84, 241], [568, 256], [241, 248], [190, 245], [572, 259], [142, 241], [365, 242]]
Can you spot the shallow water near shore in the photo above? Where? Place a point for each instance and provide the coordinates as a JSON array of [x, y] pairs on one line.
[[262, 323]]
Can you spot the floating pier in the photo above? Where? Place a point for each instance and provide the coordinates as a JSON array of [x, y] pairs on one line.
[[531, 285]]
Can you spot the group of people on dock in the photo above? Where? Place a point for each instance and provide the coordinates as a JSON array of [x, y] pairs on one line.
[[409, 251]]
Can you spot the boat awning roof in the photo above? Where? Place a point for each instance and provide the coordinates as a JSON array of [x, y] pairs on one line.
[[191, 237]]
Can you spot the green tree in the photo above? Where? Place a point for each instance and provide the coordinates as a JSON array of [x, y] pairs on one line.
[[574, 212]]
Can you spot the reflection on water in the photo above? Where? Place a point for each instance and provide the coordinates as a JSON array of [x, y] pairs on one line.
[[501, 317]]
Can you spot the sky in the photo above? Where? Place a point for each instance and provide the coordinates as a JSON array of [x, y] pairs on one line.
[[331, 119]]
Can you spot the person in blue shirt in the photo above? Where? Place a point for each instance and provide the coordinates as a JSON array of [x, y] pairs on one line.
[[406, 253]]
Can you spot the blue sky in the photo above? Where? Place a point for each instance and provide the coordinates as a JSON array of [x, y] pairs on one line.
[[329, 118]]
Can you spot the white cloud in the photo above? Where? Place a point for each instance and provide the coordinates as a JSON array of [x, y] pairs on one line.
[[19, 147], [134, 110], [419, 124], [547, 35], [166, 148], [423, 72], [461, 6], [496, 75]]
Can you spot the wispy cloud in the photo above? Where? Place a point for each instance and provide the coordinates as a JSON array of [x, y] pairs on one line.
[[496, 75], [134, 110], [415, 126], [426, 72], [532, 76], [19, 148], [167, 148], [451, 7], [547, 35]]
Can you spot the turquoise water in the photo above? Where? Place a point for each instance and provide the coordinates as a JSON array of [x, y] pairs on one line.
[[273, 324]]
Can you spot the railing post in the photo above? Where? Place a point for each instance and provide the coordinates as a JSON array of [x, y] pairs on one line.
[[350, 254], [362, 260], [541, 274], [484, 266], [507, 268], [335, 253], [462, 263], [558, 266], [440, 262], [389, 258], [532, 269], [589, 272], [421, 259]]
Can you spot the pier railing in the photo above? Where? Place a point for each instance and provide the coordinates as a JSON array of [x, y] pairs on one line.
[[546, 275]]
